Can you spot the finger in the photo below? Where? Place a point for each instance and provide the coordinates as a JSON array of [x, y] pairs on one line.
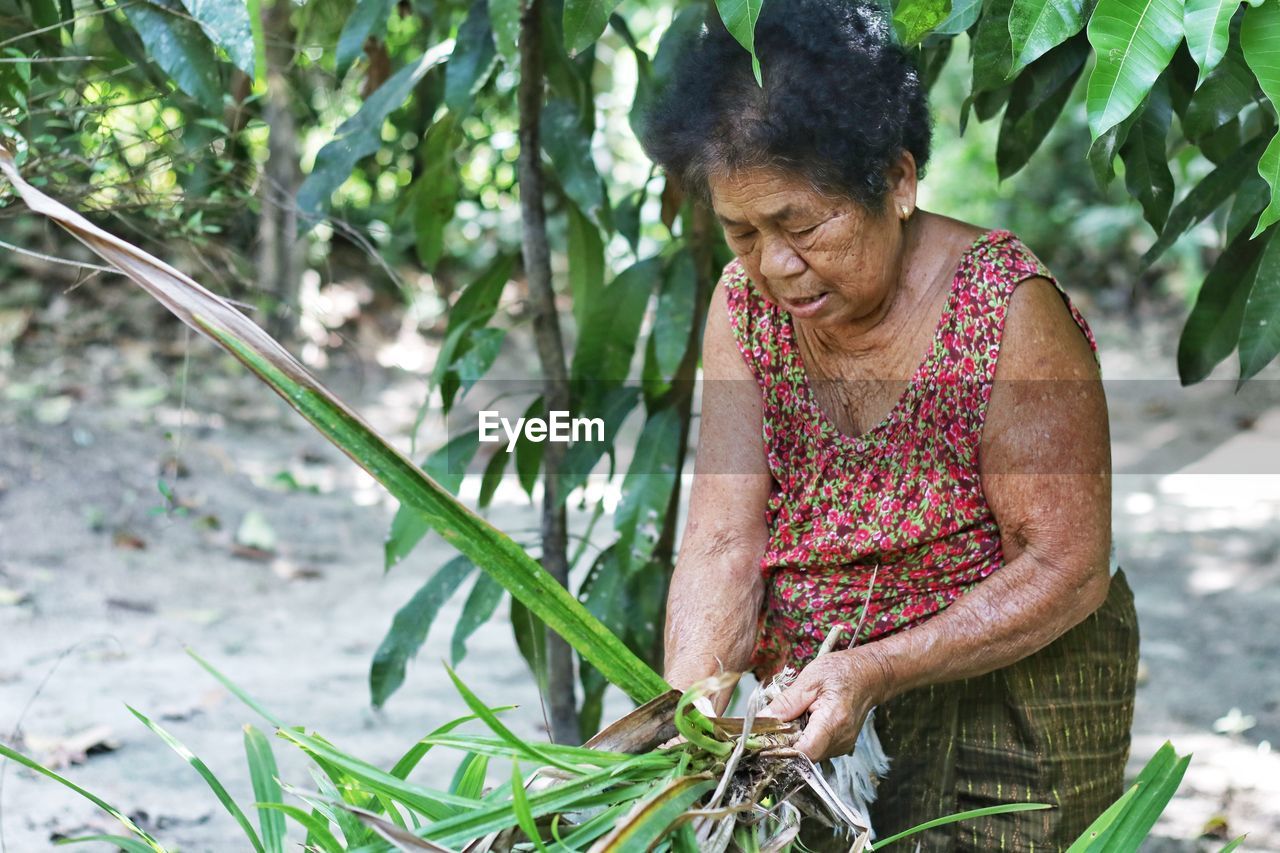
[[794, 701], [816, 740]]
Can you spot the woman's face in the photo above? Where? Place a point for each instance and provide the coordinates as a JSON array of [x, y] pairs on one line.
[[827, 261]]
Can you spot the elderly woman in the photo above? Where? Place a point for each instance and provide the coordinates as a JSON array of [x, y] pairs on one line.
[[904, 438]]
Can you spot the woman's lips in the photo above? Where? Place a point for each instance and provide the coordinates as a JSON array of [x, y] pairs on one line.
[[806, 307]]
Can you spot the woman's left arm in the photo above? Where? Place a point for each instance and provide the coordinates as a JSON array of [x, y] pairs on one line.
[[1045, 463]]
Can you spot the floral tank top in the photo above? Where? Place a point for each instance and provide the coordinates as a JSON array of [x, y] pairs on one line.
[[894, 518]]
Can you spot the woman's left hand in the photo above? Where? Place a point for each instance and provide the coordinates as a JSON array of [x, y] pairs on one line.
[[838, 690]]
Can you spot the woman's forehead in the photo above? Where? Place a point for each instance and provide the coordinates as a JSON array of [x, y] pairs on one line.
[[765, 193]]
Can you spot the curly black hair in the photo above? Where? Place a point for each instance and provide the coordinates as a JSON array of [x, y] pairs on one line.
[[841, 100]]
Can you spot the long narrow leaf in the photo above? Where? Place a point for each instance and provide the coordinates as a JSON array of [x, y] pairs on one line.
[[956, 818], [32, 764], [318, 832], [121, 842], [205, 773], [491, 720], [266, 788], [489, 548], [652, 818]]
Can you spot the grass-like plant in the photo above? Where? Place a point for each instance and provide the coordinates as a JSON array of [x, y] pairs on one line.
[[726, 784]]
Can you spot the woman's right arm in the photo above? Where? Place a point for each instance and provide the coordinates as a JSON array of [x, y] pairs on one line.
[[717, 588]]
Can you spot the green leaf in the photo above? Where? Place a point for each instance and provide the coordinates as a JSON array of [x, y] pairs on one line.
[[236, 690], [505, 15], [448, 467], [523, 813], [484, 599], [677, 304], [529, 453], [607, 344], [1147, 174], [1126, 824], [317, 828], [1260, 327], [1008, 808], [1213, 327], [568, 143], [1134, 41], [1205, 197], [254, 8], [359, 136], [646, 490], [410, 627], [179, 47], [992, 48], [266, 788], [481, 710], [531, 639], [205, 773], [367, 20], [740, 17], [652, 819], [915, 19], [584, 22], [435, 191], [1260, 40], [1251, 198], [1038, 26], [1223, 96], [473, 59], [612, 406], [468, 779], [1038, 97], [494, 470], [586, 265], [479, 357], [32, 764], [964, 14], [227, 24], [1207, 24]]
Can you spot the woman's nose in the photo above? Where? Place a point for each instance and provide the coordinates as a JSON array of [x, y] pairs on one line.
[[778, 260]]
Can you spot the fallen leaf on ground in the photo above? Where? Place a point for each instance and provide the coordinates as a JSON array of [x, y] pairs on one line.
[[256, 533], [128, 541], [291, 571], [11, 597], [73, 749]]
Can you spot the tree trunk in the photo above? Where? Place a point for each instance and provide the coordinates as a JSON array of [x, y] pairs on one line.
[[279, 254], [561, 702]]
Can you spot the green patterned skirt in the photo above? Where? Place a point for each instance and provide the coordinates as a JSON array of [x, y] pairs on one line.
[[1052, 728]]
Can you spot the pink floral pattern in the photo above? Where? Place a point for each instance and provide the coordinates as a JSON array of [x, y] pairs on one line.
[[902, 502]]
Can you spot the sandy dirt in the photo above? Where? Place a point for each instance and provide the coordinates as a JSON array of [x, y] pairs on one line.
[[101, 588]]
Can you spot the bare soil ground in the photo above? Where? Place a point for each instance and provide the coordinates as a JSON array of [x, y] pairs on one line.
[[103, 584]]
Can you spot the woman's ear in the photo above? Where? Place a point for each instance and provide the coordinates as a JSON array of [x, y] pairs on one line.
[[901, 178]]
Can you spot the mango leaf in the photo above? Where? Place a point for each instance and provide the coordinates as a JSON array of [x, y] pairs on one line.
[[127, 822], [226, 23], [1147, 174], [179, 47], [1260, 40], [505, 16], [479, 357], [1207, 24], [1038, 26], [964, 13], [1038, 97], [490, 549], [612, 406], [1134, 41], [740, 17], [410, 626], [992, 48], [1213, 327], [586, 265], [1260, 327], [914, 19], [568, 143], [1205, 197], [473, 59], [1223, 96], [646, 490], [254, 8], [367, 20], [608, 342], [435, 191], [483, 600], [492, 477], [584, 22], [673, 321], [359, 136], [529, 453], [1251, 198], [531, 639]]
